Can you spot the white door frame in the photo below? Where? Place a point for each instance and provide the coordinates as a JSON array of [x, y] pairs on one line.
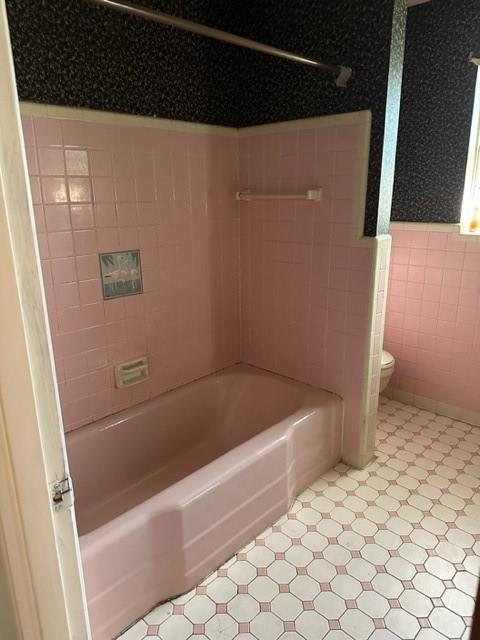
[[40, 544]]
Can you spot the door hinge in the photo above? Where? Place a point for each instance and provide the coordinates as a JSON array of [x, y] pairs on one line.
[[62, 494]]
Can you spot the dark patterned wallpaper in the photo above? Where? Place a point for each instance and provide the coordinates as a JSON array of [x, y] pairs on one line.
[[357, 34], [68, 52], [437, 103]]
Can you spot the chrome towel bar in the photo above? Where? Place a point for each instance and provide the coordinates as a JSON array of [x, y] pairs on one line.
[[311, 194]]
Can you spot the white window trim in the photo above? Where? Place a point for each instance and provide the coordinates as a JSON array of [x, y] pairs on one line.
[[472, 176]]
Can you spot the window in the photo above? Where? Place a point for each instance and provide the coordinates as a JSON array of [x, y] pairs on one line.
[[471, 199]]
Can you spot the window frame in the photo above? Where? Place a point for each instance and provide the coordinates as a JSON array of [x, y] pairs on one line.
[[472, 175]]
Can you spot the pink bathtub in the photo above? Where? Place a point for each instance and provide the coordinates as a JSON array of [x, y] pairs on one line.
[[167, 491]]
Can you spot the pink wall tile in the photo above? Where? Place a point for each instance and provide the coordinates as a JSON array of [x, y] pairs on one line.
[[305, 289], [433, 329], [104, 188], [76, 161]]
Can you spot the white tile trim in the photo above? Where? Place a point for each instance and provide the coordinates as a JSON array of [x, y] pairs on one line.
[[337, 120], [363, 160], [455, 229], [108, 117], [425, 226], [359, 458], [442, 408]]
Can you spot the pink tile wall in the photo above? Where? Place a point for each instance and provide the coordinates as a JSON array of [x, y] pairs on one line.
[[304, 287], [433, 316], [99, 188]]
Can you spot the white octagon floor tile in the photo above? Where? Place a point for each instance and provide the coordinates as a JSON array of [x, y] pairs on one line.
[[351, 540], [220, 627], [373, 604], [416, 603], [263, 589], [398, 525], [466, 582], [361, 569], [451, 552], [137, 632], [400, 568], [200, 609], [429, 585], [298, 556], [364, 527], [314, 541], [221, 590], [331, 635], [260, 556], [305, 588], [281, 571], [346, 587], [242, 572], [287, 606], [312, 625], [402, 623], [472, 564], [322, 571], [278, 542], [430, 634], [357, 624], [388, 540], [330, 605], [266, 626], [447, 622], [387, 585], [383, 634], [458, 602], [176, 627], [243, 608], [413, 553], [390, 552], [337, 555], [440, 568]]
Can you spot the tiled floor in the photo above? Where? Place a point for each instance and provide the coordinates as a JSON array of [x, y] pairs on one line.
[[389, 552]]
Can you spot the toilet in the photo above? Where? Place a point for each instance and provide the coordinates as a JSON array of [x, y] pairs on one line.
[[388, 365]]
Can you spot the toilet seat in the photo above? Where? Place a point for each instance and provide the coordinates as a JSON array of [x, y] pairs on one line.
[[388, 367], [387, 359]]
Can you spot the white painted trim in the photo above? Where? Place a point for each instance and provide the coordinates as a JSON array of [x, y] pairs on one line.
[[414, 3], [41, 545], [10, 622], [111, 118], [472, 159], [435, 406]]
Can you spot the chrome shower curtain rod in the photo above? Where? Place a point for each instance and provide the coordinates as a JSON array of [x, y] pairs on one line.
[[342, 73]]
